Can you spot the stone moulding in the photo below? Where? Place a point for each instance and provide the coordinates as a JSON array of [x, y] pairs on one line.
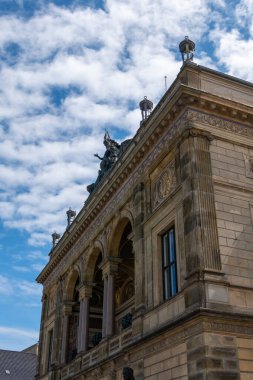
[[219, 123], [142, 165]]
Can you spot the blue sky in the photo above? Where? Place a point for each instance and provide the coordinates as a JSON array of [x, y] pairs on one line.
[[68, 70]]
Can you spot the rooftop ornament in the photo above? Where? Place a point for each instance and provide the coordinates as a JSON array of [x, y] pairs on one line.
[[70, 216], [146, 107], [187, 49], [55, 238], [113, 150]]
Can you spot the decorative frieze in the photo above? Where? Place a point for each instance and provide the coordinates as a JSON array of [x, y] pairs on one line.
[[218, 122]]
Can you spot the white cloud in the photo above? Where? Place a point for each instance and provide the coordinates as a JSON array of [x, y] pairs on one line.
[[235, 53], [28, 288], [19, 288], [20, 268], [98, 62], [12, 332], [6, 287], [17, 338]]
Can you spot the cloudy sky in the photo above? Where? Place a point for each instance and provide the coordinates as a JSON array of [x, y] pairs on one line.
[[68, 70]]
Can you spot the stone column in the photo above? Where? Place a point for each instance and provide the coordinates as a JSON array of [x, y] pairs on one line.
[[85, 293], [67, 309], [109, 268], [104, 306], [200, 227], [110, 306]]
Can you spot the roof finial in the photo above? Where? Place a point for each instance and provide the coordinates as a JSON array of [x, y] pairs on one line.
[[55, 238], [70, 216], [187, 49], [146, 107]]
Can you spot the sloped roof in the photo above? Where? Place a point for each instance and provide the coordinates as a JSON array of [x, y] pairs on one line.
[[16, 365]]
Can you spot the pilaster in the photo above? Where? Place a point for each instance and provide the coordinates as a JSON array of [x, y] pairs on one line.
[[41, 337], [203, 261], [57, 326], [138, 246], [200, 227]]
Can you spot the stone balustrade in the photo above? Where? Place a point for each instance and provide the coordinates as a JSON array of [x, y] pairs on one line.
[[107, 347]]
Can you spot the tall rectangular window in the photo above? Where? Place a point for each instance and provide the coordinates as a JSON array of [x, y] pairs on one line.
[[169, 260]]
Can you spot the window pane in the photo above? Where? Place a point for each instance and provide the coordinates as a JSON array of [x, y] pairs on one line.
[[172, 245], [165, 250], [166, 284], [169, 264], [173, 280]]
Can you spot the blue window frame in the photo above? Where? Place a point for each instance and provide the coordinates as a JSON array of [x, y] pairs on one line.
[[169, 262]]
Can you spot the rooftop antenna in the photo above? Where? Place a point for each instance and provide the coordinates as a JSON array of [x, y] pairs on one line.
[[165, 82]]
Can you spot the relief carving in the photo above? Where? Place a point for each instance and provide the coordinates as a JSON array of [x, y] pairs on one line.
[[220, 123], [248, 166], [164, 185]]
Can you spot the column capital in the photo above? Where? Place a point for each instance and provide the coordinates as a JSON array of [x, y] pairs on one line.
[[67, 307], [110, 265], [190, 129], [85, 290]]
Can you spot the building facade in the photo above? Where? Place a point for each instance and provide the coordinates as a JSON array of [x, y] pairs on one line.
[[153, 279]]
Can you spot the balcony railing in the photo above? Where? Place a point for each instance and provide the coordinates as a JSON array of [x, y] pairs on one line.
[[105, 348]]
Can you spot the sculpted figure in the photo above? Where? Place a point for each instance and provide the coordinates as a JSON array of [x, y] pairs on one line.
[[107, 161], [111, 154]]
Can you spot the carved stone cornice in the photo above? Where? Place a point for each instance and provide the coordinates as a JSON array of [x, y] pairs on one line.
[[216, 122]]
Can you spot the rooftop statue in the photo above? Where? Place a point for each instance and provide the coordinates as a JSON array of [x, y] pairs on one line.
[[113, 149]]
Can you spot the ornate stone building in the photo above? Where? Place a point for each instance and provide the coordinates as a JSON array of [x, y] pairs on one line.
[[155, 273]]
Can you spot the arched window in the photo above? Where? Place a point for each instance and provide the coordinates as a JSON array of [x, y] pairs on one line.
[[96, 306], [124, 281], [73, 323]]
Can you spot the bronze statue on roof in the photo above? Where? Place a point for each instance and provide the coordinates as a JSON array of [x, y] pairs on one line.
[[113, 150]]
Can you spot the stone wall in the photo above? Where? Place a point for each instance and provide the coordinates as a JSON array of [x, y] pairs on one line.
[[233, 197], [212, 357], [169, 364], [245, 353]]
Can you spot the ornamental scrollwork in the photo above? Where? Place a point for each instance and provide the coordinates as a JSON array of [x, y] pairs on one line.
[[164, 185]]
